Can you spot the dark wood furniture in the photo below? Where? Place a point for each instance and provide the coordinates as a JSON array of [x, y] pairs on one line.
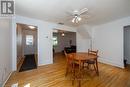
[[92, 62], [71, 49], [69, 65], [81, 57]]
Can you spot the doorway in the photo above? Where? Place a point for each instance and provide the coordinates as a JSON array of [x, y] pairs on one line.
[[63, 40], [126, 46], [26, 47]]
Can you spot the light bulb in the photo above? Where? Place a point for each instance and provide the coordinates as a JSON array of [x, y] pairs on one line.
[[76, 20], [63, 34], [79, 18], [32, 27], [73, 20]]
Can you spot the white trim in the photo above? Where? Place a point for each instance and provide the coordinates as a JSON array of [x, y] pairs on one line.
[[14, 45], [7, 79], [110, 62]]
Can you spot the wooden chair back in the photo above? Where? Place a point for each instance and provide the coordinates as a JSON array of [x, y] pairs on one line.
[[93, 52], [69, 57]]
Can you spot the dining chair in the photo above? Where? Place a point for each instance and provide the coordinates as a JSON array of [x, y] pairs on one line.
[[69, 65], [92, 62], [72, 66]]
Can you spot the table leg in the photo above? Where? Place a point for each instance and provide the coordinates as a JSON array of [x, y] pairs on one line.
[[79, 78]]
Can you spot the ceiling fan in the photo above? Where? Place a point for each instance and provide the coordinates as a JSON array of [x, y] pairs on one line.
[[77, 15]]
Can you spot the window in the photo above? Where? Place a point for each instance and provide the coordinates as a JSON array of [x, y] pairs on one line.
[[29, 39], [55, 41]]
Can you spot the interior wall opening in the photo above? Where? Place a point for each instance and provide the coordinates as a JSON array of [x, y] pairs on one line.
[[127, 46], [63, 40], [26, 47]]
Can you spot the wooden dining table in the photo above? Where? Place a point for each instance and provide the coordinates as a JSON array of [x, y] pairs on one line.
[[81, 57]]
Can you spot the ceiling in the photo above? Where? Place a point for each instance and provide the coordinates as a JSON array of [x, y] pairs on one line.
[[61, 31], [100, 11]]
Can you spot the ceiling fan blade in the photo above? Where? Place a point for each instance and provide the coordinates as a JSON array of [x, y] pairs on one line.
[[85, 16], [82, 11], [70, 13]]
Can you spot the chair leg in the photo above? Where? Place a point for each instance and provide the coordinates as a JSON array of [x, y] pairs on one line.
[[66, 70], [95, 68], [88, 66], [83, 65], [73, 78], [73, 73]]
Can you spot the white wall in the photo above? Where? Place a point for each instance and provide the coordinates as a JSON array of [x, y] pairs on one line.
[[127, 44], [5, 48], [84, 36], [44, 38], [64, 41], [108, 39]]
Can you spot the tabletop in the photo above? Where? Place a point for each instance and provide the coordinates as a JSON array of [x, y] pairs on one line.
[[83, 56]]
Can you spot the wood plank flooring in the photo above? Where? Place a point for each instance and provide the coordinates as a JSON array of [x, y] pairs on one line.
[[53, 75]]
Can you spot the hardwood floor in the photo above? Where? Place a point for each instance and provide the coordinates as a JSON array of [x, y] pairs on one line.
[[53, 75]]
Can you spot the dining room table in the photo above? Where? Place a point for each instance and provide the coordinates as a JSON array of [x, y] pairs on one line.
[[82, 57]]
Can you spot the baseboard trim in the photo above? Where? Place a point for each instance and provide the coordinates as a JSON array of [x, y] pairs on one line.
[[46, 63], [7, 79], [109, 62]]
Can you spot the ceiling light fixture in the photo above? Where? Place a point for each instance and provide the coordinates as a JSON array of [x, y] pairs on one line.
[[63, 34], [76, 19], [77, 15], [31, 27]]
